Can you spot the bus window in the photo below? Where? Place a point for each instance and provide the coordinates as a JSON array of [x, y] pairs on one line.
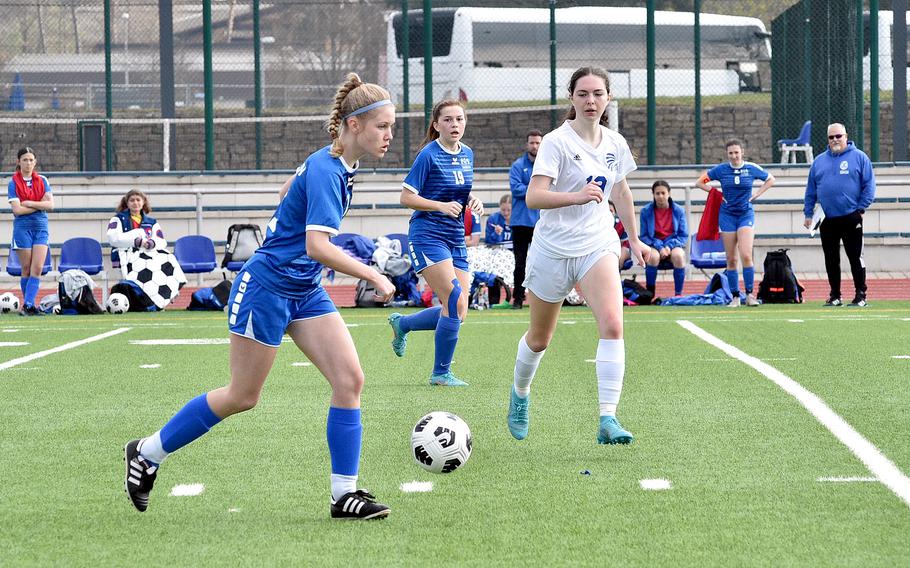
[[443, 19]]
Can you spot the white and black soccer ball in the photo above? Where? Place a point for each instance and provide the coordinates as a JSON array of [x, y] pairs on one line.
[[9, 303], [118, 303], [159, 275], [441, 442]]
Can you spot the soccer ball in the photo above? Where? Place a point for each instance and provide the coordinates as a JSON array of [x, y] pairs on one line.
[[117, 303], [9, 302], [158, 274], [441, 442]]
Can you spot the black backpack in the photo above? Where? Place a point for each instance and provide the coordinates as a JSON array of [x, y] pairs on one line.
[[779, 284], [211, 298], [635, 292]]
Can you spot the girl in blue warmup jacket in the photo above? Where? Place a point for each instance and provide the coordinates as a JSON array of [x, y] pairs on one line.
[[279, 291], [438, 189], [663, 228]]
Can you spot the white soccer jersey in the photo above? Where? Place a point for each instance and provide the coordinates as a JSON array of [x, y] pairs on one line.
[[577, 230]]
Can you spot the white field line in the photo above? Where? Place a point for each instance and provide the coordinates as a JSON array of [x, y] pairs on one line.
[[846, 479], [13, 343], [150, 366], [900, 356], [417, 487], [64, 347], [197, 341], [879, 465], [655, 484], [187, 490]]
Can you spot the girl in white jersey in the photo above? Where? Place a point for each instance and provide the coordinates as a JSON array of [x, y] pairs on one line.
[[578, 166]]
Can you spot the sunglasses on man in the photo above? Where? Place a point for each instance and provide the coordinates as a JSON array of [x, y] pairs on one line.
[[835, 136]]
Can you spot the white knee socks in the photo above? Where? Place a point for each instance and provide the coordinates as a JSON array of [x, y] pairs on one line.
[[526, 363], [610, 367]]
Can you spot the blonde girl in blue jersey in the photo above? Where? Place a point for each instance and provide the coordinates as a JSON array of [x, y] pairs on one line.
[[438, 189], [278, 291]]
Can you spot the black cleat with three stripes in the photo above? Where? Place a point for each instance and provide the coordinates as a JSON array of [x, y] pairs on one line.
[[359, 505]]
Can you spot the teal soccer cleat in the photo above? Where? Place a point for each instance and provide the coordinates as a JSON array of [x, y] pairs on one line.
[[518, 415], [400, 339], [447, 379], [612, 432]]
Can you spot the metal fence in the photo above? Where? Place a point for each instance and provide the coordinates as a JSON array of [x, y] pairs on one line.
[[686, 73]]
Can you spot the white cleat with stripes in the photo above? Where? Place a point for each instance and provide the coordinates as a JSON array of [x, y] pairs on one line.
[[359, 505]]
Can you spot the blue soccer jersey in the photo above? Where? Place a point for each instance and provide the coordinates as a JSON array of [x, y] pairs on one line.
[[440, 175], [317, 200], [736, 183], [32, 221]]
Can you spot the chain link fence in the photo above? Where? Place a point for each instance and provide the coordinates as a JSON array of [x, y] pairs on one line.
[[53, 64]]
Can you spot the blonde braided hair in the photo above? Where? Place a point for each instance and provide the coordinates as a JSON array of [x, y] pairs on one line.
[[350, 96]]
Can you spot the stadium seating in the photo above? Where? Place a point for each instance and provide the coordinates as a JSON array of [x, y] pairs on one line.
[[13, 268], [802, 143], [81, 253], [195, 253], [707, 254]]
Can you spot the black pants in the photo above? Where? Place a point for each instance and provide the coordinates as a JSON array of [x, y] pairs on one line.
[[521, 240], [849, 229]]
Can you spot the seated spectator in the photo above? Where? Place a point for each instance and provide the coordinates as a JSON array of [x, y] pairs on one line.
[[625, 252], [663, 228], [499, 230], [472, 226], [133, 227], [134, 234]]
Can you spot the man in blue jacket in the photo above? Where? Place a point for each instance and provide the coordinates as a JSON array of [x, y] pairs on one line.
[[523, 219], [842, 182]]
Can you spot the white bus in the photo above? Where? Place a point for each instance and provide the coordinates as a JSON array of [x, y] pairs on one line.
[[490, 54]]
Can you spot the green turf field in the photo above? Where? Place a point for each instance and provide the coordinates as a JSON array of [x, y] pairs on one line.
[[744, 457]]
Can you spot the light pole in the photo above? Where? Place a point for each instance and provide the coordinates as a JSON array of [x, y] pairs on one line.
[[126, 48], [267, 40]]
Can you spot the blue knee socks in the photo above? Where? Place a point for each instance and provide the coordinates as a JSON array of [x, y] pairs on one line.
[[422, 320], [748, 278], [446, 339], [192, 421], [733, 281], [31, 290], [650, 277], [344, 433], [679, 279]]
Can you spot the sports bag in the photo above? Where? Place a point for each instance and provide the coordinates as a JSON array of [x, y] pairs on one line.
[[779, 284]]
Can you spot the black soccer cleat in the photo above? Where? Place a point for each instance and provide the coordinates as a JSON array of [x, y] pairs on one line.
[[359, 505], [140, 476]]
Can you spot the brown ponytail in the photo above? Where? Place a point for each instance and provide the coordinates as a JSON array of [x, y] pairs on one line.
[[432, 134], [350, 96]]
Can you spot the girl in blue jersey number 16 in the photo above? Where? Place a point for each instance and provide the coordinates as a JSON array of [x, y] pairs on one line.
[[438, 188], [737, 218], [278, 290]]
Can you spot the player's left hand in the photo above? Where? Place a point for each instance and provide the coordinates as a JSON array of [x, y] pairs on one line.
[[476, 205], [640, 251]]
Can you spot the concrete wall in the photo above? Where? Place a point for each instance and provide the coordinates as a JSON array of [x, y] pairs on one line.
[[497, 139]]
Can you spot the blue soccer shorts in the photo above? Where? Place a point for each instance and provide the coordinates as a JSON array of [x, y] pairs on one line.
[[731, 222], [26, 238], [427, 253], [262, 315]]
